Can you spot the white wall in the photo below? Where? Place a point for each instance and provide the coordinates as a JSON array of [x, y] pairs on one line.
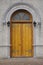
[[5, 35]]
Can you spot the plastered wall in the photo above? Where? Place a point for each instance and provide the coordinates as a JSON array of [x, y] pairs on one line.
[[5, 30]]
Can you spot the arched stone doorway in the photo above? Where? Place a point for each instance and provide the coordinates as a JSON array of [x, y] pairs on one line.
[[36, 30], [21, 34]]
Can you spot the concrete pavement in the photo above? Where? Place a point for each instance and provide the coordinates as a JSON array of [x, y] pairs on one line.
[[22, 61]]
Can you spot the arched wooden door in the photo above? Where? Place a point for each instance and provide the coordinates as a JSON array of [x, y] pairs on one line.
[[21, 34]]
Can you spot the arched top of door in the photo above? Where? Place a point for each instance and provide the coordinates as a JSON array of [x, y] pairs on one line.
[[21, 14]]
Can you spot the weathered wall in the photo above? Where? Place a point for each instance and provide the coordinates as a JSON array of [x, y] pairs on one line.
[[5, 35]]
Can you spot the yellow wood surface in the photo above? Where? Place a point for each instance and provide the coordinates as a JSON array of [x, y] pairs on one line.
[[21, 40], [27, 40]]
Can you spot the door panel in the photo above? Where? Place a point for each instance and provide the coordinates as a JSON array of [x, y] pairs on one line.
[[16, 40], [27, 40], [21, 40]]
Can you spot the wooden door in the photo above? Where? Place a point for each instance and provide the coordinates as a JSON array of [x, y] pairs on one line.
[[27, 40], [16, 40], [21, 39]]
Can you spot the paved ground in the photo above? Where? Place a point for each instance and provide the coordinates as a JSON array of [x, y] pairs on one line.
[[22, 61]]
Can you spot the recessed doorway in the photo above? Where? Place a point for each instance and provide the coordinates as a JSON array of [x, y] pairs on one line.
[[21, 34]]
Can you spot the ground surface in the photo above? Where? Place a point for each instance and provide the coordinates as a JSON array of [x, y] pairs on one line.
[[22, 61]]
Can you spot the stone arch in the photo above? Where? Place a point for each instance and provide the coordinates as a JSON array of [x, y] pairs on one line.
[[34, 11]]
